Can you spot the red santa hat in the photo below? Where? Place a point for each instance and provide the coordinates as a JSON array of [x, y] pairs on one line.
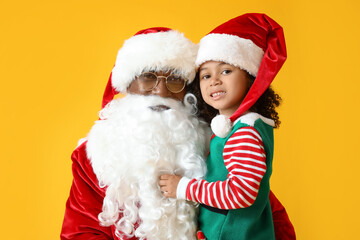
[[253, 42], [150, 49]]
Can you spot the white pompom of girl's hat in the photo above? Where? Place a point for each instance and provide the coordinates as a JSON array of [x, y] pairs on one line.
[[221, 126], [253, 42]]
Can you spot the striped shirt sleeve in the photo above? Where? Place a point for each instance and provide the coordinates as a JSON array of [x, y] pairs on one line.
[[244, 157]]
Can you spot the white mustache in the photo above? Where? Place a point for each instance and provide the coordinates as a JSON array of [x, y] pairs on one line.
[[159, 108], [155, 103]]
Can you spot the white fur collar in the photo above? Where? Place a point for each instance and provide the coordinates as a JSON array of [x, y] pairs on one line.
[[251, 117]]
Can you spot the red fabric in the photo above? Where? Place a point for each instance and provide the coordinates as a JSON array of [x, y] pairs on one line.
[[266, 34], [284, 229], [109, 93], [84, 203], [200, 235], [153, 30]]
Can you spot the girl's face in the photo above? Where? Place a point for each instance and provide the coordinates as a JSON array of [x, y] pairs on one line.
[[223, 86]]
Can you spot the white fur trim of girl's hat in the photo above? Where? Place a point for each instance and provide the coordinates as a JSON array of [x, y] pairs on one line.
[[156, 49], [240, 52]]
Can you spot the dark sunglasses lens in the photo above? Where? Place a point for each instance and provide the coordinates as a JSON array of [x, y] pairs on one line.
[[147, 81], [175, 83]]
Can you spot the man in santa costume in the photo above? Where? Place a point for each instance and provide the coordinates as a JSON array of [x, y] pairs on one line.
[[151, 131]]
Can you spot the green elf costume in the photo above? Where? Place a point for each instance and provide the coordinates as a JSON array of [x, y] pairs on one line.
[[255, 43]]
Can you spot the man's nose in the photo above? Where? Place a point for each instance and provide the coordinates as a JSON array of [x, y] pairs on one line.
[[161, 89]]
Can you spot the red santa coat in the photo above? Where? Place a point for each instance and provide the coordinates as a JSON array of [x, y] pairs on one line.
[[85, 203], [86, 199]]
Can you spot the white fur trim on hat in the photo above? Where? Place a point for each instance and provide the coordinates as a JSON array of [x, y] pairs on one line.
[[154, 51], [221, 125], [240, 52]]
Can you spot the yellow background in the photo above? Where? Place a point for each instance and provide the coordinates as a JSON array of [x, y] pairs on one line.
[[55, 59]]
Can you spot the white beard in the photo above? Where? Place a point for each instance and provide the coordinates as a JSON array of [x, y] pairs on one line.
[[130, 149]]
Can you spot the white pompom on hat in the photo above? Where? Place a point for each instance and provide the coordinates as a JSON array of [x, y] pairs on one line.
[[221, 125], [152, 49], [253, 42]]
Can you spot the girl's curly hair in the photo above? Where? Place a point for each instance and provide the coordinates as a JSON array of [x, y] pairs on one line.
[[265, 105]]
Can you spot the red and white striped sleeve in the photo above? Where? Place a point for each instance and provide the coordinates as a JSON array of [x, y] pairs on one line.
[[244, 158]]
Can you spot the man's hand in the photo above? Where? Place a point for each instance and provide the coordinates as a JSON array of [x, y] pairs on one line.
[[168, 185]]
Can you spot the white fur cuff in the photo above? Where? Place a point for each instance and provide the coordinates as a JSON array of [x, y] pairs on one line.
[[181, 188]]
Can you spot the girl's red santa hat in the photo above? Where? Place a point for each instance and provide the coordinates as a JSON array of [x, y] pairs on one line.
[[151, 49], [253, 42]]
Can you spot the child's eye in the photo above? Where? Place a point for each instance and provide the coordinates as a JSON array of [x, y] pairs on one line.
[[205, 76], [226, 72]]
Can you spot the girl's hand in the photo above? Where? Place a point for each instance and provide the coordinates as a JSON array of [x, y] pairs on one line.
[[168, 185]]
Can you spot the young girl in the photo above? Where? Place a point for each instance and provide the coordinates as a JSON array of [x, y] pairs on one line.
[[237, 62]]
